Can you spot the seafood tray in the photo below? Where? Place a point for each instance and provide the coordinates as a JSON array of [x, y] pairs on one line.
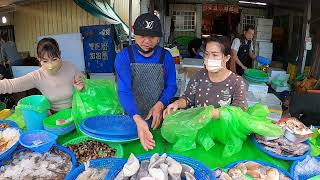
[[9, 141], [161, 166], [283, 152], [80, 150], [102, 163], [258, 170], [7, 123], [310, 168], [25, 164]]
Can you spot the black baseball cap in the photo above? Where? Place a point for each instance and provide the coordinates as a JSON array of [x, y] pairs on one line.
[[147, 25]]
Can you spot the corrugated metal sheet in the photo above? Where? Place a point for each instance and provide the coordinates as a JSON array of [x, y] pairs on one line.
[[122, 9], [47, 17]]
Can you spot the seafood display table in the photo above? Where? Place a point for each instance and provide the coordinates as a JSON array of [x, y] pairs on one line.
[[212, 158]]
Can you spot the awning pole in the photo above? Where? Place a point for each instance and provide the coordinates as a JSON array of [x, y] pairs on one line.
[[130, 21], [305, 34]]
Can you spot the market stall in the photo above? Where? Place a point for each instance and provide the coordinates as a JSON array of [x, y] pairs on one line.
[[99, 153]]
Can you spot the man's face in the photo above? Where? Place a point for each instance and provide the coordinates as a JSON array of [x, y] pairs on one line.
[[147, 42], [249, 34]]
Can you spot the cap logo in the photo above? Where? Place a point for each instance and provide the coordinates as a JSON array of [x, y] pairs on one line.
[[149, 24]]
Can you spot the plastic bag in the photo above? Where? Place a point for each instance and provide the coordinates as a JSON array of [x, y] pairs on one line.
[[37, 103], [182, 127], [231, 129], [315, 142], [97, 98]]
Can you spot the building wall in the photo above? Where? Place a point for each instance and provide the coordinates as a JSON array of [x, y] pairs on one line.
[[48, 17], [189, 7]]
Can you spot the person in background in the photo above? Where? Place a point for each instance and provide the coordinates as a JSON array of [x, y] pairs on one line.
[[242, 51], [146, 77], [215, 85], [194, 48], [55, 79], [9, 52]]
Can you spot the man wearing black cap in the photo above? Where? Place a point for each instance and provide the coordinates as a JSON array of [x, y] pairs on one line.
[[146, 77]]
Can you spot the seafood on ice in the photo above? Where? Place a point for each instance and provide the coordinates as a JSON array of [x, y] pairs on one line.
[[8, 138], [157, 168], [252, 169], [28, 165], [283, 147]]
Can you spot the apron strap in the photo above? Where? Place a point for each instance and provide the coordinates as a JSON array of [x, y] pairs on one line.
[[163, 53], [131, 57]]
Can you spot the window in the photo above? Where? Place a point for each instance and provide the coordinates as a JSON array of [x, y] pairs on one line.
[[184, 20], [249, 20]]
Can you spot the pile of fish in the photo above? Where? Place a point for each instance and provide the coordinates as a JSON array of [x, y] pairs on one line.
[[309, 167], [90, 150], [252, 169], [28, 165], [8, 138], [157, 168], [295, 130], [283, 146], [93, 173], [4, 125]]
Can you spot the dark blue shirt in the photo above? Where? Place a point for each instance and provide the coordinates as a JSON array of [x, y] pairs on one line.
[[123, 71]]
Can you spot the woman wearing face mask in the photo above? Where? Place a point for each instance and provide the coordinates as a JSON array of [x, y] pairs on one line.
[[215, 85], [55, 79]]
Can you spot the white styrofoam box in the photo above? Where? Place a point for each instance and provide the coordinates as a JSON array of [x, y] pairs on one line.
[[181, 84], [275, 73], [264, 46], [268, 99], [192, 62], [272, 72], [264, 35], [108, 76], [260, 88], [266, 29], [19, 71], [262, 21], [281, 89]]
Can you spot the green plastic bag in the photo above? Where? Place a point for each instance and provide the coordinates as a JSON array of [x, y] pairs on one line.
[[184, 128], [99, 97], [37, 103], [315, 142]]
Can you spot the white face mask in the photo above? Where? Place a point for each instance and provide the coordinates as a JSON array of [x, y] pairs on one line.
[[213, 65]]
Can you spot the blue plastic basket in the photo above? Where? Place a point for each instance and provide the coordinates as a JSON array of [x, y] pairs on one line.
[[61, 148], [12, 124], [202, 172], [28, 138], [60, 131], [113, 139], [259, 146], [302, 176], [263, 60], [262, 163], [11, 150], [107, 163], [111, 125]]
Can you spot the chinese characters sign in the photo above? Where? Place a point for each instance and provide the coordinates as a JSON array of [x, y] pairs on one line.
[[99, 48]]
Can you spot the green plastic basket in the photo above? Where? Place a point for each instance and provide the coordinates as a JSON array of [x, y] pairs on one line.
[[50, 121], [255, 73], [78, 140]]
